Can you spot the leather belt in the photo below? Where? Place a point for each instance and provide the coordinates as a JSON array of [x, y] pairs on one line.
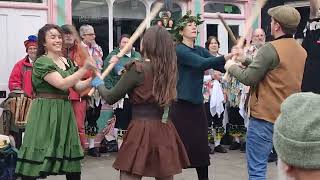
[[51, 96], [146, 111]]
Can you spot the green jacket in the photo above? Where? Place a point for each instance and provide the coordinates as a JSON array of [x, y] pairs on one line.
[[112, 79]]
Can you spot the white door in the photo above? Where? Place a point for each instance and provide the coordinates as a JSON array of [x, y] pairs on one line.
[[214, 27], [15, 26]]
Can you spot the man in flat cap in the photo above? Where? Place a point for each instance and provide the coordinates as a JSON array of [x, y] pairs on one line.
[[297, 137], [274, 73]]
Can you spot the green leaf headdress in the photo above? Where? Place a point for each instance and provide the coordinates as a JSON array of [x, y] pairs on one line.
[[183, 21]]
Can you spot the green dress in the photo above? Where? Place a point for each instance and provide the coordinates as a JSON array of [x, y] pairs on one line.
[[51, 143]]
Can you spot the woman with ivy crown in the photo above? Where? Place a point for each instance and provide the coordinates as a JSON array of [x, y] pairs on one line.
[[187, 113]]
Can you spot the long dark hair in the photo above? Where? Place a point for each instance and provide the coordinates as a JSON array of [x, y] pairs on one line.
[[42, 37], [159, 47]]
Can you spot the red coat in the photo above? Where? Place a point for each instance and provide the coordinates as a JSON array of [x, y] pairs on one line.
[[20, 77]]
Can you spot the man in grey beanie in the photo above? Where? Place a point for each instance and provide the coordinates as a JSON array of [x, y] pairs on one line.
[[297, 137]]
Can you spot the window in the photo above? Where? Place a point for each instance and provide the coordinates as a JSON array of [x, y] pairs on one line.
[[127, 16], [32, 1], [222, 8], [94, 13]]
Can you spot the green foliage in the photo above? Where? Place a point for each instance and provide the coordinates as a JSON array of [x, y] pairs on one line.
[[183, 23]]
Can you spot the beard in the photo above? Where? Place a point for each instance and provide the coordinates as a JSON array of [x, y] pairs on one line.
[[282, 175]]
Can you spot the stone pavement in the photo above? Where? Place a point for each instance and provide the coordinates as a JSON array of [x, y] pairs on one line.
[[229, 166]]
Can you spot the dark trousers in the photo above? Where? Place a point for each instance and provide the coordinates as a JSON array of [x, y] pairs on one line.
[[213, 121], [123, 116]]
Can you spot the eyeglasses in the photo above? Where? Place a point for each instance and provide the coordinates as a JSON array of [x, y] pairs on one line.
[[91, 34]]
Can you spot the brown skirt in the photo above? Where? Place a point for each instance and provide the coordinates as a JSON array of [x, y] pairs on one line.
[[151, 148], [192, 125]]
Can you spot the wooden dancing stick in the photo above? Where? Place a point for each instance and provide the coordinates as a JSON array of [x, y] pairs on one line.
[[248, 25], [157, 7], [233, 38]]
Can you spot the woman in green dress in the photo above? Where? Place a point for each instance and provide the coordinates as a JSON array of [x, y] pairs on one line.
[[51, 144]]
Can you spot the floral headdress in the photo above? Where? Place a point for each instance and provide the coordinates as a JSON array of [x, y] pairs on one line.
[[183, 21]]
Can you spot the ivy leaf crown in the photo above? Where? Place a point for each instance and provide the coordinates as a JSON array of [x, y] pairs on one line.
[[183, 21]]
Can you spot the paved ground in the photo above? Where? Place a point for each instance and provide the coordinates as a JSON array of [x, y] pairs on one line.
[[230, 166]]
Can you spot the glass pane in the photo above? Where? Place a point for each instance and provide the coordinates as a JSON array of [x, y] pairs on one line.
[[128, 14], [212, 30], [32, 1], [94, 13], [222, 8]]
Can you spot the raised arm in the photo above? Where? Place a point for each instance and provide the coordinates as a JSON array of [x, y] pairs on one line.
[[265, 60]]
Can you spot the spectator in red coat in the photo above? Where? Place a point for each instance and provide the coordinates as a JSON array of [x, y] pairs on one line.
[[20, 77]]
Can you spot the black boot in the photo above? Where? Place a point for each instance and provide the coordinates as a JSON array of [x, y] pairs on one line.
[[235, 146], [28, 178], [220, 149], [73, 176], [94, 152]]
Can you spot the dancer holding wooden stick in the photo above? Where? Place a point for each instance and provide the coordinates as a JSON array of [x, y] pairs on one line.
[[274, 74], [51, 143], [151, 147], [187, 113]]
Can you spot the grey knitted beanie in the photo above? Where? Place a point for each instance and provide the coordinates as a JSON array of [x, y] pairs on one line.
[[296, 135]]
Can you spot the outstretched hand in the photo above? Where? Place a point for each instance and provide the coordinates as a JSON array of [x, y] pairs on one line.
[[229, 64]]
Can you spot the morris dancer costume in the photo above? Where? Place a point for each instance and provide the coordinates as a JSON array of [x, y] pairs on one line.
[[79, 100], [187, 113], [122, 108], [214, 101], [151, 147], [94, 103], [51, 143]]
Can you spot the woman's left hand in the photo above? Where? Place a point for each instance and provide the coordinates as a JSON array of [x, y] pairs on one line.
[[96, 82]]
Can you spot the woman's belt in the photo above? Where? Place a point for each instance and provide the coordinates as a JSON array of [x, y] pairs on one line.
[[147, 111], [51, 96]]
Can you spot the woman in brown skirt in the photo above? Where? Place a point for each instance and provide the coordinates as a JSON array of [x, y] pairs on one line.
[[151, 146], [188, 113]]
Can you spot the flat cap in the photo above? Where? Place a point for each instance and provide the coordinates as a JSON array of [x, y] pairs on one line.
[[287, 16]]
